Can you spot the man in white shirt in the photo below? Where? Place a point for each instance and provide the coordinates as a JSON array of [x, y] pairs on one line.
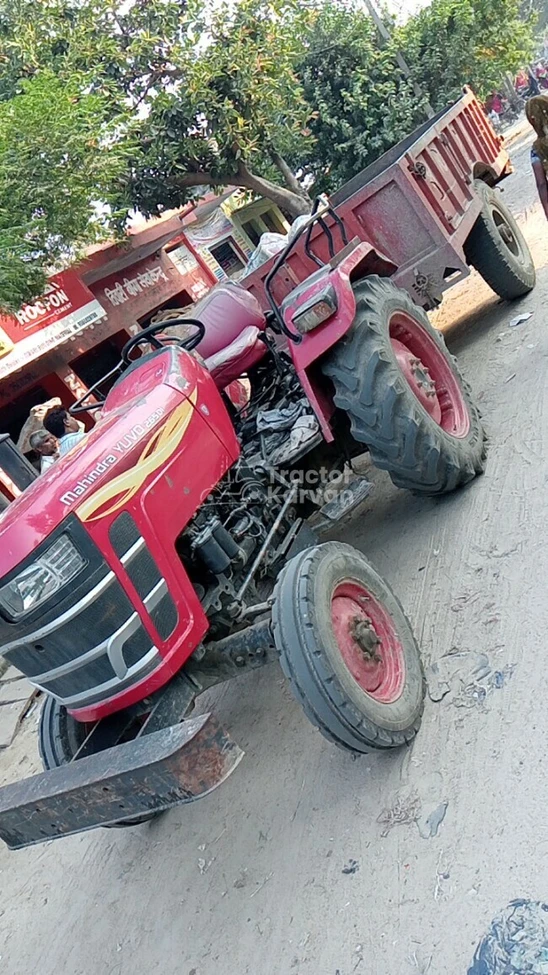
[[45, 444], [64, 427]]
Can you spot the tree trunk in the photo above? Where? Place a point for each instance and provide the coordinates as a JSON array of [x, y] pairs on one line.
[[289, 200], [289, 176], [293, 203]]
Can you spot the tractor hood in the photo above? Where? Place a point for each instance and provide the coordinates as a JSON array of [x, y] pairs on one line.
[[145, 416]]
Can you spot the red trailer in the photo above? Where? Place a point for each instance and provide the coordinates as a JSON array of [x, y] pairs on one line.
[[419, 206]]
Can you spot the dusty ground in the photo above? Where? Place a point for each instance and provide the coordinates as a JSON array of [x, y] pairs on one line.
[[252, 879]]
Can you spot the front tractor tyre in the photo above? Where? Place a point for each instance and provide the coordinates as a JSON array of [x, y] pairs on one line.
[[403, 393], [347, 649]]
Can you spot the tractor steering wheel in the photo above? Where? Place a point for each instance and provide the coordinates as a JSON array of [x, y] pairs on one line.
[[188, 343]]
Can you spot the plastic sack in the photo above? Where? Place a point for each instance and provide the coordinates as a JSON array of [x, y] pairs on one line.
[[516, 942], [271, 244], [268, 246]]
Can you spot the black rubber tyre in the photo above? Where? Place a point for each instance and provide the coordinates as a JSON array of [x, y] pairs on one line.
[[312, 662], [60, 737], [497, 248], [384, 413]]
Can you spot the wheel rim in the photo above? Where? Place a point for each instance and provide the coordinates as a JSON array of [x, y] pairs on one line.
[[506, 233], [367, 641], [429, 375]]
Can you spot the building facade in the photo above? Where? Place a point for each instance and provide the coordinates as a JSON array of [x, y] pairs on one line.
[[71, 336]]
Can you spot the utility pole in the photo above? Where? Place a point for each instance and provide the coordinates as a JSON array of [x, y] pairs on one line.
[[512, 95], [402, 63]]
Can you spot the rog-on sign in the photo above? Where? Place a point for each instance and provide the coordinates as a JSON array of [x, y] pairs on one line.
[[66, 307], [53, 298]]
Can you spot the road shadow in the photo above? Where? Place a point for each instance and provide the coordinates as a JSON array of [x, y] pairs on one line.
[[470, 328], [492, 314]]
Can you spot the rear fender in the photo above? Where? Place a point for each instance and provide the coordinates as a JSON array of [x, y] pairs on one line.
[[355, 262]]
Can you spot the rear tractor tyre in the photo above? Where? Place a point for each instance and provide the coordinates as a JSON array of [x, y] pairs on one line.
[[347, 649], [60, 737], [497, 248], [404, 395]]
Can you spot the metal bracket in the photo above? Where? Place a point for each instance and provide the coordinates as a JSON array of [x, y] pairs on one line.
[[418, 168], [169, 767]]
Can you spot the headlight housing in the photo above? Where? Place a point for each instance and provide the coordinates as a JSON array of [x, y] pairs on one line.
[[41, 580], [316, 311]]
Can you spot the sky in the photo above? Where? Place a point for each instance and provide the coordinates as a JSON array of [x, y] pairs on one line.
[[402, 9]]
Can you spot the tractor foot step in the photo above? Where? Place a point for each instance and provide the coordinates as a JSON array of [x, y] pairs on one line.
[[147, 775], [350, 496]]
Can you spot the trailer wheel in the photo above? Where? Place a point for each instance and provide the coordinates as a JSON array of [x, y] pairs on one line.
[[347, 649], [497, 248], [404, 394], [60, 737]]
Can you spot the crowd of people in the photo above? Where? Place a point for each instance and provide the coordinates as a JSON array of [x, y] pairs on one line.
[[529, 82]]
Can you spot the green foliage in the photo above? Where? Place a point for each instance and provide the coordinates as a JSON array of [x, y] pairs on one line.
[[233, 101], [141, 104], [362, 102], [106, 106], [116, 48], [212, 90], [57, 170], [473, 42]]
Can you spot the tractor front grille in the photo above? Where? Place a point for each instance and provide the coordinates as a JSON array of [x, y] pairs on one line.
[[98, 646]]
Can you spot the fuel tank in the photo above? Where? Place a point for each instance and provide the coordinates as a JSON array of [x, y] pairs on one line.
[[95, 605]]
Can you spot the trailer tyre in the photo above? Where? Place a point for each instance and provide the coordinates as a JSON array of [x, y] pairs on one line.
[[404, 395], [497, 248], [347, 649], [60, 737]]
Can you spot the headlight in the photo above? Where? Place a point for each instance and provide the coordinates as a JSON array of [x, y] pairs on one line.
[[53, 570], [316, 311]]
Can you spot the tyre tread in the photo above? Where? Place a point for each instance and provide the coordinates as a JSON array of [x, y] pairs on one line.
[[307, 668], [486, 251], [382, 408]]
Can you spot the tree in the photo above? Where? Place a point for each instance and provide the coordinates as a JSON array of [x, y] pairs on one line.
[[231, 112], [473, 42], [214, 89], [55, 169], [361, 102], [536, 12], [139, 105]]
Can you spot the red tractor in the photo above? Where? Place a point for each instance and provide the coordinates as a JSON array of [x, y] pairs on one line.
[[169, 550]]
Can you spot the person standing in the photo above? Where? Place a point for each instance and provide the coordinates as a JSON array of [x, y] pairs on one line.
[[536, 110], [45, 444], [534, 87], [64, 427]]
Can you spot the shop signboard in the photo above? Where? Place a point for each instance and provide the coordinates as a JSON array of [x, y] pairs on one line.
[[66, 308]]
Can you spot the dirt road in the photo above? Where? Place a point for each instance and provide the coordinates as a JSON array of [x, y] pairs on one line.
[[307, 862]]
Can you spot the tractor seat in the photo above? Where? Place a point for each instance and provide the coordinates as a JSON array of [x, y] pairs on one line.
[[241, 354], [226, 311]]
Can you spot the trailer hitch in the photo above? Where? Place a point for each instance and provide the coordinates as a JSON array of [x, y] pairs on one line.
[[166, 768]]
